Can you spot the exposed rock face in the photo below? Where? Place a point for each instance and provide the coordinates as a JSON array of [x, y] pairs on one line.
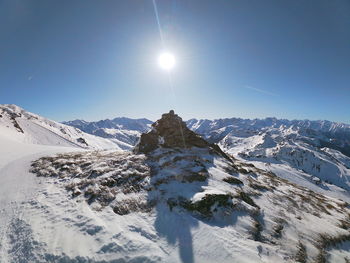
[[171, 132]]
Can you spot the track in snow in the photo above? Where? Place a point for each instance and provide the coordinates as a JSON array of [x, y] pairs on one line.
[[18, 187]]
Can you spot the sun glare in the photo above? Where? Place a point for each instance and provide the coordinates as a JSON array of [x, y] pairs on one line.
[[166, 61]]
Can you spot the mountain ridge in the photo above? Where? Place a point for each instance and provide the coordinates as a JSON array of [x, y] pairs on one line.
[[23, 126]]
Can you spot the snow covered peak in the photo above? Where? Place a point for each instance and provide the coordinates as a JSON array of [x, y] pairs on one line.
[[120, 123], [12, 107], [204, 125], [121, 129]]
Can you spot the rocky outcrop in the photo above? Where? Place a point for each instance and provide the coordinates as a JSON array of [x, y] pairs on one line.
[[171, 132]]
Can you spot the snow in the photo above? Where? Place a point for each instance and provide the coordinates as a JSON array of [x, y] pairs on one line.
[[41, 221], [291, 149], [175, 235], [122, 130], [17, 186], [30, 128]]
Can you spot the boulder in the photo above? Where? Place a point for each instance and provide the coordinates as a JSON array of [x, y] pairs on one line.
[[171, 132]]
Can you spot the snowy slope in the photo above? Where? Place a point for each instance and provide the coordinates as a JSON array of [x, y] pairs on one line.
[[27, 127], [171, 205], [311, 153], [179, 205], [317, 133], [17, 186]]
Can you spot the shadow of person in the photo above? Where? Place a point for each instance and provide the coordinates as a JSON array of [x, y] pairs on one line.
[[177, 175], [176, 228], [173, 222]]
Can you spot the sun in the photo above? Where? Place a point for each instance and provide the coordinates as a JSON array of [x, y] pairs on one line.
[[166, 61]]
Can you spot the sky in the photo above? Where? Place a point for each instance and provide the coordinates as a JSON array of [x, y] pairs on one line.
[[94, 60]]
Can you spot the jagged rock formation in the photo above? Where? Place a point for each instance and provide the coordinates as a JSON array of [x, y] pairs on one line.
[[171, 132]]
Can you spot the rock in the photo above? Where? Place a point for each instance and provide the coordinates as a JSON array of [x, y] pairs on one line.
[[171, 132], [82, 141]]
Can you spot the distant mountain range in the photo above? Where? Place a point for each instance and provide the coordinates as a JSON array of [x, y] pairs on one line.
[[303, 151], [318, 133], [298, 150], [123, 129]]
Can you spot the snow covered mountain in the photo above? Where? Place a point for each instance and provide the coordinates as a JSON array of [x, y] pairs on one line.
[[176, 198], [123, 129], [318, 133], [315, 154], [311, 153], [22, 126]]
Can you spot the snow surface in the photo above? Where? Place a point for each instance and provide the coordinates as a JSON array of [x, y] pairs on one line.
[[77, 228], [18, 187], [34, 129]]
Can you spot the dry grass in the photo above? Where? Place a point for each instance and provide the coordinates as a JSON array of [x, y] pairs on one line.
[[256, 230], [301, 255], [98, 176], [325, 242], [232, 180]]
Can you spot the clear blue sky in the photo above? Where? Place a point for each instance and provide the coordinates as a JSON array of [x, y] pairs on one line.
[[235, 58]]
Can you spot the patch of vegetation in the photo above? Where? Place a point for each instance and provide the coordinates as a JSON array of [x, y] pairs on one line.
[[232, 180], [15, 123], [325, 242], [163, 181], [292, 202], [243, 171], [259, 187], [249, 165], [301, 255], [321, 256], [132, 205], [344, 224], [101, 194], [256, 230], [278, 228], [246, 198], [180, 201], [343, 205], [98, 176], [230, 169], [196, 177], [316, 201], [204, 206]]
